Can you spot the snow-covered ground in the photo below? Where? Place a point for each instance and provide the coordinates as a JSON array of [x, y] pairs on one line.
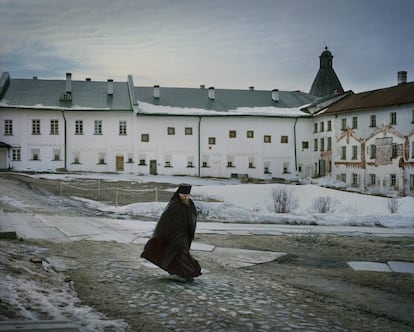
[[232, 201]]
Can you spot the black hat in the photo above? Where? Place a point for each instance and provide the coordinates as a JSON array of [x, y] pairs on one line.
[[184, 189]]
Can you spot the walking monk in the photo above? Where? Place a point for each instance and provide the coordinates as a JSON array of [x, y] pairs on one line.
[[169, 246]]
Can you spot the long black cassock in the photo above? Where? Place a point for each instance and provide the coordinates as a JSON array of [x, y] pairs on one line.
[[169, 246]]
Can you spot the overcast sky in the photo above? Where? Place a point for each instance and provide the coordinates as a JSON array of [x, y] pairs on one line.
[[223, 43]]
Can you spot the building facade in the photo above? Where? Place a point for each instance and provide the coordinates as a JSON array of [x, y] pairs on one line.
[[364, 140], [369, 140]]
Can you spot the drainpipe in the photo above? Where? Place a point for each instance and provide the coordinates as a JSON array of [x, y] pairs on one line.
[[199, 147], [294, 141], [65, 141]]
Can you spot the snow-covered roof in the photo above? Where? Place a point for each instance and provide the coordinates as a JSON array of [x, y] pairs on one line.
[[150, 109]]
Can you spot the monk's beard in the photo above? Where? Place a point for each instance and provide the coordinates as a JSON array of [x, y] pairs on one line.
[[186, 201]]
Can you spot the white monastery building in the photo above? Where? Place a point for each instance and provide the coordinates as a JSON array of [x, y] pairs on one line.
[[365, 140]]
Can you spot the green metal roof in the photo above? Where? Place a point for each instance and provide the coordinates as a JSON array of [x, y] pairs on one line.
[[85, 94], [92, 95], [225, 99]]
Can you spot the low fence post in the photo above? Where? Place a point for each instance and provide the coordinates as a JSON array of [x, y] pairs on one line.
[[116, 197], [61, 188], [99, 190], [156, 194]]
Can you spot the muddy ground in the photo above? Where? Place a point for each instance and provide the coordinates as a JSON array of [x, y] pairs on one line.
[[314, 270]]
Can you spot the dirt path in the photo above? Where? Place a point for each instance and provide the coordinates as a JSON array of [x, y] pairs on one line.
[[311, 288]]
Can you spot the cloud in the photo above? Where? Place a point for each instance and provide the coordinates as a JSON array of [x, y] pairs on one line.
[[232, 43]]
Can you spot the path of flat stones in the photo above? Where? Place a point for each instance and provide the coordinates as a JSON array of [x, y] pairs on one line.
[[229, 296], [225, 300]]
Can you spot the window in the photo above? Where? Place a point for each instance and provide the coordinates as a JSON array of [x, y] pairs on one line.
[[343, 152], [354, 152], [373, 153], [341, 177], [286, 167], [373, 121], [56, 155], [101, 158], [8, 127], [322, 141], [230, 161], [322, 126], [16, 155], [329, 125], [190, 162], [394, 151], [76, 158], [343, 124], [315, 144], [171, 130], [393, 180], [54, 127], [267, 168], [35, 154], [393, 118], [130, 158], [79, 127], [283, 139], [232, 134], [97, 127], [204, 161], [142, 158], [122, 128], [250, 134], [144, 137], [329, 147], [168, 162], [267, 138], [188, 131], [315, 127], [354, 122], [35, 127], [212, 140], [251, 162], [372, 179], [355, 180], [305, 145]]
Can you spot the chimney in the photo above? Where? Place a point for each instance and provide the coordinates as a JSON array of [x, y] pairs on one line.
[[156, 92], [202, 86], [275, 95], [251, 88], [88, 79], [35, 77], [110, 87], [402, 77], [69, 82], [211, 93]]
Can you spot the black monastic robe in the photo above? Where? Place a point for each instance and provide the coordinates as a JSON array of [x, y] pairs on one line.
[[169, 247]]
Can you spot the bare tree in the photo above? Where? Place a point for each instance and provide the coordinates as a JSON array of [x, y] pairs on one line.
[[283, 200], [393, 204], [324, 204]]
